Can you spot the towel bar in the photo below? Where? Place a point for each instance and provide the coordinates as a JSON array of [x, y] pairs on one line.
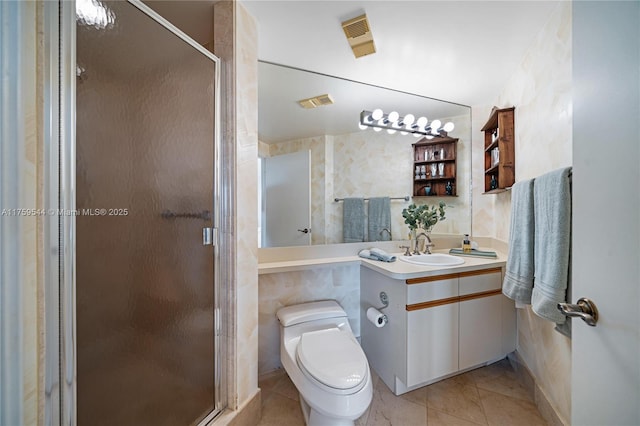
[[406, 198]]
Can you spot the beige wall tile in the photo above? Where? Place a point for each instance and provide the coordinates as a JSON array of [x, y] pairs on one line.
[[289, 288], [540, 89]]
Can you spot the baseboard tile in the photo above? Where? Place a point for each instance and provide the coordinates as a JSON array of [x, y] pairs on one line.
[[529, 382]]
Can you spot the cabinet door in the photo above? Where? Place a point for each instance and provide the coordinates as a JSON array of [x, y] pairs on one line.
[[432, 343], [480, 317], [480, 330]]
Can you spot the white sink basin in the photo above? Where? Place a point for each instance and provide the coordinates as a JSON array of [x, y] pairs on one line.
[[436, 259]]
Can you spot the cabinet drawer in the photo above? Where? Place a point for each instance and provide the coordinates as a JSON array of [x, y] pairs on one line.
[[480, 281], [433, 290]]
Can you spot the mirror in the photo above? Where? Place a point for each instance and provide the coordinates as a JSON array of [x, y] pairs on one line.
[[346, 161]]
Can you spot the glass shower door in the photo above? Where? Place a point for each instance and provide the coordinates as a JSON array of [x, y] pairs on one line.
[[145, 187]]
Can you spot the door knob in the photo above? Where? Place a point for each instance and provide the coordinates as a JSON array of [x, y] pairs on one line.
[[305, 230], [584, 309]]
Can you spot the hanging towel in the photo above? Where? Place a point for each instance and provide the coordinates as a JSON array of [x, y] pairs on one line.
[[379, 219], [353, 220], [518, 277], [552, 196]]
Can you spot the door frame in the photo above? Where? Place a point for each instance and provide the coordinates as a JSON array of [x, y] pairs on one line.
[[60, 400]]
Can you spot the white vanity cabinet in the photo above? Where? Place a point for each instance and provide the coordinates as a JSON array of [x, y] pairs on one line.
[[438, 325]]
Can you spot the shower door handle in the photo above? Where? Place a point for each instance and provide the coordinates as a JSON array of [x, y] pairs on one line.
[[209, 236]]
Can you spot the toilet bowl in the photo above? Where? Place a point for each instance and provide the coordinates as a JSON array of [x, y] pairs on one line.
[[325, 362]]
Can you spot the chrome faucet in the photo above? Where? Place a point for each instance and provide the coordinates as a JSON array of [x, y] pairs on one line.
[[427, 243], [388, 231], [407, 251]]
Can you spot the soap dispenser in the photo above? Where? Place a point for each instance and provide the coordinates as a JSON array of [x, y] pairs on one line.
[[466, 244]]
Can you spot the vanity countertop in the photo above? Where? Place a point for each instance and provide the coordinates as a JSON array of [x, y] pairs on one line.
[[304, 264], [396, 270], [403, 270]]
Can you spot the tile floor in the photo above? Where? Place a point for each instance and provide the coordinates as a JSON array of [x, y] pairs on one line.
[[489, 395]]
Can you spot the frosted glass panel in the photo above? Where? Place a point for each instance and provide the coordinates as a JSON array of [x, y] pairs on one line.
[[145, 282]]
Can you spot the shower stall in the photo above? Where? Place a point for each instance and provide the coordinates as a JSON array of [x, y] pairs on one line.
[[140, 311]]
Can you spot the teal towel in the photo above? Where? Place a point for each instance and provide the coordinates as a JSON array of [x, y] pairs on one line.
[[382, 255], [366, 254], [552, 196], [518, 277], [379, 219], [474, 253], [377, 254], [353, 220]]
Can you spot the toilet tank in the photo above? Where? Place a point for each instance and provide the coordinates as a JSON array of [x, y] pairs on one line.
[[312, 311]]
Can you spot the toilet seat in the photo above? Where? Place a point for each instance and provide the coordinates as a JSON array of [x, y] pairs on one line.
[[333, 358]]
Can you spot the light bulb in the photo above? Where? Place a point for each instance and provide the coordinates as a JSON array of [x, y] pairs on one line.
[[362, 126], [404, 133], [416, 135], [393, 116], [435, 126], [408, 120], [391, 131], [377, 114], [376, 129], [429, 136], [449, 127], [422, 121]]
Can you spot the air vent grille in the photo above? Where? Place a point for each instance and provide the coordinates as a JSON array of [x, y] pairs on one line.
[[366, 48], [356, 27], [316, 101], [359, 36]]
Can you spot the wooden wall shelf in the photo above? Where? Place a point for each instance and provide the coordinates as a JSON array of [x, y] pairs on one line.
[[428, 153], [499, 134]]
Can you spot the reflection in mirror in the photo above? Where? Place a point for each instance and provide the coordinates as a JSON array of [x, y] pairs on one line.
[[345, 161]]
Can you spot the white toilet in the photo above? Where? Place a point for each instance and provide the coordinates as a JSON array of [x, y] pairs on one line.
[[325, 363]]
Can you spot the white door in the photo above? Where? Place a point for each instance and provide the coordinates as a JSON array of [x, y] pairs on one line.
[[287, 193], [606, 212]]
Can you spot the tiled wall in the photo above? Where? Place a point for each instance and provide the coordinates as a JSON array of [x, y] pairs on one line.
[[235, 42], [246, 202], [540, 89], [282, 289], [31, 168]]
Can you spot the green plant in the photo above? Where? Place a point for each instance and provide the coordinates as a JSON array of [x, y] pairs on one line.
[[423, 216]]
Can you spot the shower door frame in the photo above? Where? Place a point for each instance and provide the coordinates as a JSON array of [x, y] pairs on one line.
[[59, 230]]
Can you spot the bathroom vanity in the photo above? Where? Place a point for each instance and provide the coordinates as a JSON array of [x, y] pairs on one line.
[[441, 322]]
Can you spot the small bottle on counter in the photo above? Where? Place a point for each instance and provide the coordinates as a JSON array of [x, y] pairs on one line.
[[466, 244]]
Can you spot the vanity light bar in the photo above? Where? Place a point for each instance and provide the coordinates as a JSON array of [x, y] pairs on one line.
[[393, 123]]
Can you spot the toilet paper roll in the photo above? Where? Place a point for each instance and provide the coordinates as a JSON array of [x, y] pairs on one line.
[[376, 317]]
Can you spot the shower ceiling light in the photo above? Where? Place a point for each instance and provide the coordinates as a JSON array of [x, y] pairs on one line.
[[93, 13], [392, 122]]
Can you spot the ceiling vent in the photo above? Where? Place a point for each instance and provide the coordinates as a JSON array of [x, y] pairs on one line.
[[359, 36], [316, 101]]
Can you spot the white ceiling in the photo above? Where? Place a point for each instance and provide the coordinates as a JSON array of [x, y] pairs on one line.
[[459, 51]]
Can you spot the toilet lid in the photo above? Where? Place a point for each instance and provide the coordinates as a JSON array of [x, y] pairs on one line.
[[333, 358]]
